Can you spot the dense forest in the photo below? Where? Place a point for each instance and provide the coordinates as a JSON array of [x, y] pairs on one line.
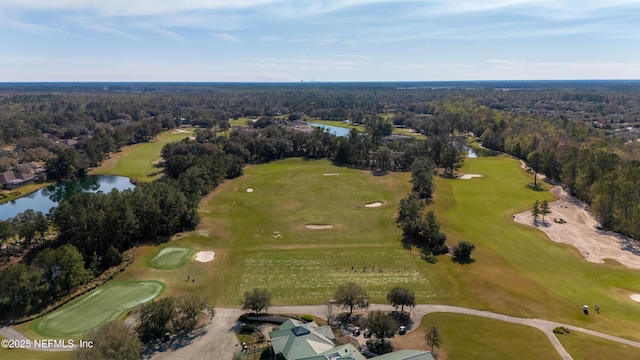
[[584, 135]]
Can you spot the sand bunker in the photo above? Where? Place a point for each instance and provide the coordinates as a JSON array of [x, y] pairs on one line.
[[469, 176], [635, 297], [330, 174], [205, 256], [570, 222], [319, 227], [249, 189], [373, 204]]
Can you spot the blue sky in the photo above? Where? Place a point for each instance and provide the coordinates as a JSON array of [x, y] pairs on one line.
[[325, 40]]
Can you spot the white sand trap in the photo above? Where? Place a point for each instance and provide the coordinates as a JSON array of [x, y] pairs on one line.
[[373, 204], [330, 174], [635, 297], [579, 229], [249, 189], [469, 176], [319, 227], [205, 256]]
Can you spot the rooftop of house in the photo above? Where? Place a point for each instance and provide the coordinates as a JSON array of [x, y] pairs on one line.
[[407, 355]]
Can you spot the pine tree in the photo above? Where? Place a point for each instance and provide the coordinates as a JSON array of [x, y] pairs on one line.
[[544, 209], [535, 211]]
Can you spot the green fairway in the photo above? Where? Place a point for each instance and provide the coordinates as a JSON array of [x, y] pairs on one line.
[[97, 307], [472, 337], [171, 257], [260, 238], [586, 347], [140, 161], [518, 270]]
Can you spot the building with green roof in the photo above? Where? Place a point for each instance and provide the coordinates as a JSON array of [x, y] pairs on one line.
[[406, 355], [296, 340]]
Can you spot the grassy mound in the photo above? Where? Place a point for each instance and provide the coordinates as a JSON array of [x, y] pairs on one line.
[[96, 308], [171, 257]]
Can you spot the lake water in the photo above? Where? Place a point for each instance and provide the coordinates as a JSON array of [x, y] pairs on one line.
[[471, 152], [46, 198], [337, 131]]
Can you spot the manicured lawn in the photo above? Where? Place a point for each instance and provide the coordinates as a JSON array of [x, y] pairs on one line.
[[240, 122], [140, 161], [586, 347], [93, 309], [472, 337], [171, 257], [260, 237], [518, 270]]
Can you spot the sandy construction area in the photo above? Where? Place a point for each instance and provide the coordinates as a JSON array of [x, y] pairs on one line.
[[205, 256], [373, 204], [580, 230], [319, 227], [469, 176]]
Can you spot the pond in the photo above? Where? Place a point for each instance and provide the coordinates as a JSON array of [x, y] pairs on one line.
[[335, 130], [46, 198], [471, 152]]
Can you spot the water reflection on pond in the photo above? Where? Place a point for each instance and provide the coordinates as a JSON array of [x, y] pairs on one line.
[[48, 197]]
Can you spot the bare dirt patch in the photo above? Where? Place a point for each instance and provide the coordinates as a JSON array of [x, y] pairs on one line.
[[373, 204], [469, 176], [570, 222], [205, 256], [319, 227]]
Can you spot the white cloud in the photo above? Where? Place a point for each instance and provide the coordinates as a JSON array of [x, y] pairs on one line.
[[226, 37], [166, 33]]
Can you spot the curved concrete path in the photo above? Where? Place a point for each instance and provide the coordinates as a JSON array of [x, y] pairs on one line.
[[218, 337]]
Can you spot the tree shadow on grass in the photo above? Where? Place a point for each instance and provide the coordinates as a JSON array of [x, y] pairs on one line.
[[379, 173], [174, 343], [536, 187], [463, 261]]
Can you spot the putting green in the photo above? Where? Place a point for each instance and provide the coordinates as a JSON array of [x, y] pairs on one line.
[[171, 257], [96, 308]]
